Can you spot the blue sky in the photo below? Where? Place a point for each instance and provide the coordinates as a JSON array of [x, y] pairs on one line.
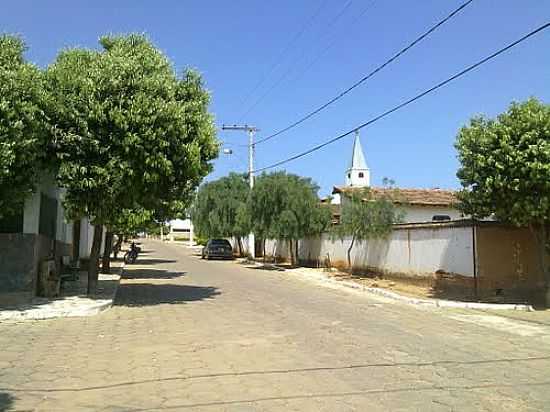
[[234, 44]]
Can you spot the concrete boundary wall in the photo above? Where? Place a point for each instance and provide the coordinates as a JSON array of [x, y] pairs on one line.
[[486, 259], [411, 250]]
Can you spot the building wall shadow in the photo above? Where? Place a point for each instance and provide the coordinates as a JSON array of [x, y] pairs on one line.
[[150, 294], [130, 273], [6, 401], [153, 261]]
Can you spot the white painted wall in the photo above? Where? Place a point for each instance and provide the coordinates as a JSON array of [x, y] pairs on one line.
[[87, 237], [180, 224], [31, 212], [423, 214], [414, 251]]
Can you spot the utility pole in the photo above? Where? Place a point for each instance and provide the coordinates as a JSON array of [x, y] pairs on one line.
[[251, 130]]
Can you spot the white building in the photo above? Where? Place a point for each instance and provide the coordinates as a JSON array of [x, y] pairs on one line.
[[416, 205], [181, 229]]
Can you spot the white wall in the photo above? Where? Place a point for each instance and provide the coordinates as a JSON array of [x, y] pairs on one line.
[[87, 237], [413, 251], [180, 224], [31, 213], [422, 214]]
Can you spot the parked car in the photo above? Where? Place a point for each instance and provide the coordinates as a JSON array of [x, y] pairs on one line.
[[217, 248]]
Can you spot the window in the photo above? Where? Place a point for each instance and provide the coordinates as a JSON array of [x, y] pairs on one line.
[[361, 174], [219, 242], [178, 230], [349, 175]]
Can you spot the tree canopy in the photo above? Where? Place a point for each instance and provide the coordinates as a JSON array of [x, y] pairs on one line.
[[505, 169], [286, 206], [220, 207], [128, 132], [364, 217], [23, 135]]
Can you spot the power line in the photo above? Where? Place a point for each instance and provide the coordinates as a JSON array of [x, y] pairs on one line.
[[332, 43], [368, 76], [289, 70], [407, 102], [288, 46]]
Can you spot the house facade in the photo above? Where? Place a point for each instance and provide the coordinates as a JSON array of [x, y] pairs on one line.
[[37, 239]]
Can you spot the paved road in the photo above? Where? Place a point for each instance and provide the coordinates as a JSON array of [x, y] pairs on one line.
[[187, 334]]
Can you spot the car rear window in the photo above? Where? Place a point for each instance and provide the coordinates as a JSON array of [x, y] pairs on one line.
[[220, 242]]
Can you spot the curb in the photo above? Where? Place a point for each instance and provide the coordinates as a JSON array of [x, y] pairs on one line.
[[429, 303]]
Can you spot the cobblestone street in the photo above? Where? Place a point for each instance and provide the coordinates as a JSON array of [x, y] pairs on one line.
[[187, 334]]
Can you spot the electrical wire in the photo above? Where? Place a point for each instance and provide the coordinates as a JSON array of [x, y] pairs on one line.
[[411, 100], [325, 49], [368, 76], [289, 70], [285, 50]]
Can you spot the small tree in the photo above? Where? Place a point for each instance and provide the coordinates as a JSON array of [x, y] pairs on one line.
[[219, 209], [129, 133], [22, 126], [505, 171], [365, 217], [286, 206]]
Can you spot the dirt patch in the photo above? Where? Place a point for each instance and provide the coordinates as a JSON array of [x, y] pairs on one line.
[[445, 286]]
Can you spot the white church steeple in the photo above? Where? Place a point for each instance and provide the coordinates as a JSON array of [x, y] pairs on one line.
[[358, 173]]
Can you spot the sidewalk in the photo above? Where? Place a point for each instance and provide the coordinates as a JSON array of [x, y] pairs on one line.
[[325, 278], [73, 301]]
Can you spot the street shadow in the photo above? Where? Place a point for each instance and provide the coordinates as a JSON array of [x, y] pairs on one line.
[[148, 294], [6, 401], [153, 261], [130, 273], [268, 267]]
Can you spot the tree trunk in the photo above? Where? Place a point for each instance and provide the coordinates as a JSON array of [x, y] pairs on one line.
[[291, 251], [106, 260], [94, 260], [542, 234], [263, 249], [76, 240], [350, 267], [296, 252], [240, 246]]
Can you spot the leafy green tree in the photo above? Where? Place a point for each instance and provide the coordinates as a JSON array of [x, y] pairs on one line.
[[23, 135], [365, 217], [286, 207], [129, 132], [219, 209], [505, 171]]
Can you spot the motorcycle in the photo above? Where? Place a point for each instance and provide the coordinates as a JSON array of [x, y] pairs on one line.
[[132, 254]]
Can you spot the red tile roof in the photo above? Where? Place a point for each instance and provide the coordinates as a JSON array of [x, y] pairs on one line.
[[421, 197]]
